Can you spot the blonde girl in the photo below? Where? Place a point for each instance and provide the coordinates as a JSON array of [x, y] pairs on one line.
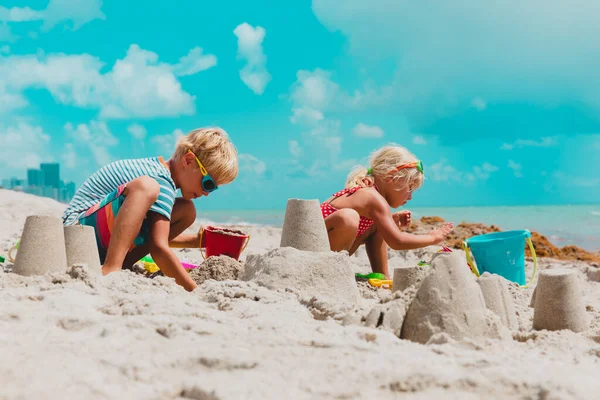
[[360, 214]]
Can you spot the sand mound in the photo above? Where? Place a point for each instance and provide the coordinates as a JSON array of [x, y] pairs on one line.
[[391, 313], [498, 299], [219, 268], [325, 275], [449, 300]]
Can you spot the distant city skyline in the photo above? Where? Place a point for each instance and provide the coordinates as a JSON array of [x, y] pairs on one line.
[[44, 182]]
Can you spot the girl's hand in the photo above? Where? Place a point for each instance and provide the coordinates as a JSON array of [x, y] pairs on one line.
[[438, 235], [402, 218]]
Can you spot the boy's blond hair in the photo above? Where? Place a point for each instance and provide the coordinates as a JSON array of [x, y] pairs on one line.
[[214, 150], [383, 163]]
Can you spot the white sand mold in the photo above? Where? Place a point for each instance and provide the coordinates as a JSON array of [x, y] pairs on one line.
[[450, 301]]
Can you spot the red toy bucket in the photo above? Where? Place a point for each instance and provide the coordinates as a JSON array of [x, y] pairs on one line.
[[222, 241]]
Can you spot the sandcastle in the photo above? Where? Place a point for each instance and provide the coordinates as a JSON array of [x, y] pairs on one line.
[[326, 276], [559, 303], [405, 277], [46, 246], [498, 299], [304, 227], [80, 243], [42, 247], [450, 301]]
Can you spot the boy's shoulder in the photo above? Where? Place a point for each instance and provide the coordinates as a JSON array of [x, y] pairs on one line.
[[151, 166]]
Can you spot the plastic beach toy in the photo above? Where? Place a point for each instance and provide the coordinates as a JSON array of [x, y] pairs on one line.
[[151, 267], [501, 253], [372, 275], [223, 241], [385, 283], [11, 258]]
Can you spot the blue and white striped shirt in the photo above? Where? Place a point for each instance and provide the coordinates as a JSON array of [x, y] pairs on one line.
[[108, 179]]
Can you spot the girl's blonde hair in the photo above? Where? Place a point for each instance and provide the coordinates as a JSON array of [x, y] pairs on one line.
[[383, 163], [214, 150]]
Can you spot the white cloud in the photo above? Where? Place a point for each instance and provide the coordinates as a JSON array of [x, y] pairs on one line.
[[166, 143], [418, 139], [479, 104], [19, 14], [137, 85], [295, 148], [442, 171], [137, 131], [484, 171], [306, 115], [314, 90], [72, 13], [252, 165], [23, 146], [254, 73], [463, 52], [96, 137], [10, 100], [77, 12], [520, 143], [367, 131], [194, 62], [69, 156], [516, 168]]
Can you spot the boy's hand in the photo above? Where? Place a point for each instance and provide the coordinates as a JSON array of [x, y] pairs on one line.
[[438, 235], [402, 218]]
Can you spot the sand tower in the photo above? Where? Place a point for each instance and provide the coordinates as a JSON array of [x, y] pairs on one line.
[[559, 303], [405, 277], [80, 242], [42, 247], [304, 227], [450, 301], [498, 299]]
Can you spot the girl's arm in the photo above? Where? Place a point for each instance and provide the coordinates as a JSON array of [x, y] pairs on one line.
[[394, 237]]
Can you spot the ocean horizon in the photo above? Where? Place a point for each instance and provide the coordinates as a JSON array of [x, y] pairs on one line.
[[563, 224]]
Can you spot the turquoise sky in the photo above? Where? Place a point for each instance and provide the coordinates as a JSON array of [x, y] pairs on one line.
[[499, 99]]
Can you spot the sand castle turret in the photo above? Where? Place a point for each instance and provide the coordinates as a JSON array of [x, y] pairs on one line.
[[498, 299], [450, 301], [304, 227], [80, 242], [405, 277], [42, 247], [559, 303]]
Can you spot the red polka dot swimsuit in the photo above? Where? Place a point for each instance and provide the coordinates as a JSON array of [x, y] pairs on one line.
[[327, 209]]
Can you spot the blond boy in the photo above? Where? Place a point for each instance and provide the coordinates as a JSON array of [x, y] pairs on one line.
[[132, 205]]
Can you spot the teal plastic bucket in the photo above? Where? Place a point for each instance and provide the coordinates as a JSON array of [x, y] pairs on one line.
[[501, 253]]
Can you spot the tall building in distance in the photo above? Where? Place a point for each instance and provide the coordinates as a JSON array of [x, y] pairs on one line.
[[51, 173], [45, 182]]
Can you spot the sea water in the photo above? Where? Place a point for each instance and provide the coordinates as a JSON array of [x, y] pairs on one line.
[[563, 225]]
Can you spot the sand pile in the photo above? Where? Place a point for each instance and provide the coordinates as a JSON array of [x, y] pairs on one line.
[[77, 335], [498, 299], [219, 268], [450, 301], [324, 275]]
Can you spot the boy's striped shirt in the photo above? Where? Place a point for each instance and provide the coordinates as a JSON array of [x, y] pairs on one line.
[[108, 178]]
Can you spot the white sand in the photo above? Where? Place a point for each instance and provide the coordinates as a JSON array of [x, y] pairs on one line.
[[127, 336]]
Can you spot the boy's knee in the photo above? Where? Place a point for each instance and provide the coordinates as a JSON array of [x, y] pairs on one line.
[[185, 211], [146, 186]]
